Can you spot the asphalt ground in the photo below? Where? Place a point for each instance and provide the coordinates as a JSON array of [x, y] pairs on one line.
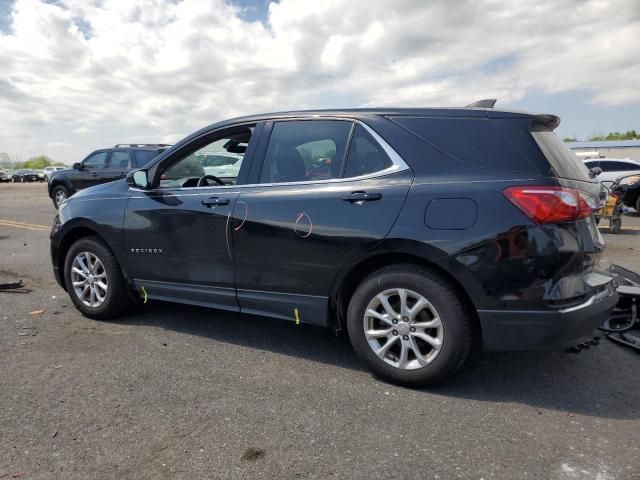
[[182, 392]]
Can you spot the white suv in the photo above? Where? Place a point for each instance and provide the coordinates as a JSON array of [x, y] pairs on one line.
[[48, 171], [613, 168]]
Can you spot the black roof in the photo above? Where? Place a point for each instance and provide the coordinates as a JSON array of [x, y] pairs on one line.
[[361, 113], [549, 119]]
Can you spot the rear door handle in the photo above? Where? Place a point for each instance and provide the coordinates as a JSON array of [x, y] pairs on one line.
[[359, 197], [214, 202]]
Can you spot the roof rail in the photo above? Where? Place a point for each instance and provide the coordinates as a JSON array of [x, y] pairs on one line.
[[484, 103], [132, 145]]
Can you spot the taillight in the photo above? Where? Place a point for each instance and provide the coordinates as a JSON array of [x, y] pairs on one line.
[[550, 204]]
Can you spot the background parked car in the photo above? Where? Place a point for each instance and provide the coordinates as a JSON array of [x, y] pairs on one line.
[[221, 165], [628, 189], [613, 168], [24, 175], [49, 171], [5, 175], [41, 175], [101, 166]]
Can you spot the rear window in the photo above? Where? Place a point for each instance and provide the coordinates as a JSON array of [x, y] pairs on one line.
[[142, 157], [565, 163]]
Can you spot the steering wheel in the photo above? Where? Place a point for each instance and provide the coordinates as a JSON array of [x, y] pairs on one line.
[[202, 182]]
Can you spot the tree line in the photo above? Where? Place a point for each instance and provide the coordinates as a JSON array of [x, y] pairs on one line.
[[628, 135], [35, 163]]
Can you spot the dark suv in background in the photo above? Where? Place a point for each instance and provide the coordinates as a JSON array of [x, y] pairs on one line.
[[101, 166], [419, 231]]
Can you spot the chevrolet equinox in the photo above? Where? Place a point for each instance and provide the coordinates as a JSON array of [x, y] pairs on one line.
[[419, 231]]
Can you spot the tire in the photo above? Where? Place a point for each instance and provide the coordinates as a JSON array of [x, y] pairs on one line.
[[116, 299], [57, 192], [638, 204], [454, 331]]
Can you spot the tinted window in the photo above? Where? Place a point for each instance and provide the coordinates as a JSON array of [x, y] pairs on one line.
[[97, 161], [305, 150], [611, 166], [591, 164], [365, 155], [142, 157], [473, 141], [565, 163], [119, 159]]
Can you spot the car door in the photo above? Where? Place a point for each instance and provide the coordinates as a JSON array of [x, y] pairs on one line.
[[176, 233], [308, 213], [90, 171]]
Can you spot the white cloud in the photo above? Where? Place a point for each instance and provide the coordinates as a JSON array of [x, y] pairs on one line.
[[97, 73]]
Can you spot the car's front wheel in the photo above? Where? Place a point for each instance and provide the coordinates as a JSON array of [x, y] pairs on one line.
[[409, 325], [94, 279], [59, 195]]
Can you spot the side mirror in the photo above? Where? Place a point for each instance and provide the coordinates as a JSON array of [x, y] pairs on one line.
[[594, 172], [138, 179], [77, 166]]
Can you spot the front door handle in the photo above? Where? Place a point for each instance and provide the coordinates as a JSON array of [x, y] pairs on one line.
[[214, 202], [360, 197]]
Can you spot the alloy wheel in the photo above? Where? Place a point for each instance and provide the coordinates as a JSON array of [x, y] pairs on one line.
[[89, 278], [60, 197], [403, 329]]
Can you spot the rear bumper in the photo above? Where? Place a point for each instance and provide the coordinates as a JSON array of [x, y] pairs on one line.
[[512, 330]]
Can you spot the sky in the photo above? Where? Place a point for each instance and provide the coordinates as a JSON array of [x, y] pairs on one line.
[[77, 75]]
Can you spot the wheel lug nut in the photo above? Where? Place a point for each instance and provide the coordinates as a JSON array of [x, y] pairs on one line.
[[394, 321], [405, 337], [413, 329], [395, 332], [405, 319]]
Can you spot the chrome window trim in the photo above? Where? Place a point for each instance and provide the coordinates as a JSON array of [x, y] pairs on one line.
[[398, 164]]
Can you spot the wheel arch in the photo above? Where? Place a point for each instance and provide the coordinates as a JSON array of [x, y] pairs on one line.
[[356, 273], [65, 182], [75, 233]]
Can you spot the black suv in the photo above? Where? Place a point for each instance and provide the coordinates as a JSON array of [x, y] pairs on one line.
[[101, 166], [419, 231]]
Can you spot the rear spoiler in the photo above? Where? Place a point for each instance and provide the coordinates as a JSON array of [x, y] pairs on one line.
[[546, 119]]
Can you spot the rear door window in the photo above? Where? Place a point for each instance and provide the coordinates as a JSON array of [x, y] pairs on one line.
[[613, 166], [365, 155], [305, 150], [142, 157], [119, 159]]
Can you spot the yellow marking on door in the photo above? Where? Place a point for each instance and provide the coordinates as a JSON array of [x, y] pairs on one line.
[[297, 314]]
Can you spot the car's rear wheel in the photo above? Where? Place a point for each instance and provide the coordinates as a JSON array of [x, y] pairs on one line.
[[409, 325], [94, 279], [59, 195]]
